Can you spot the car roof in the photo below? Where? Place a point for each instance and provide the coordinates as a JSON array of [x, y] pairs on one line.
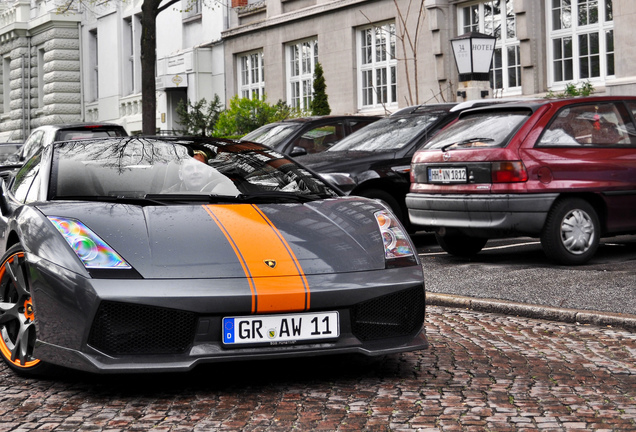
[[424, 108], [536, 103], [328, 117]]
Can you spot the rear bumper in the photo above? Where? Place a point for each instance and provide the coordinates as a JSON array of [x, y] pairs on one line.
[[481, 215]]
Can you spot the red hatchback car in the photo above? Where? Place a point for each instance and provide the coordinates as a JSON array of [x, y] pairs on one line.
[[563, 170]]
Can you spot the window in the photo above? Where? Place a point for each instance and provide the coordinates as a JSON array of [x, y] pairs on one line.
[[599, 124], [6, 84], [320, 138], [251, 75], [131, 48], [301, 60], [581, 35], [377, 77], [24, 181], [93, 65], [191, 8], [40, 77], [496, 18]]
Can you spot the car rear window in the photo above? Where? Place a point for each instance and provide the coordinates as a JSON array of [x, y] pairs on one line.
[[75, 134], [596, 124], [388, 134], [489, 129], [272, 134]]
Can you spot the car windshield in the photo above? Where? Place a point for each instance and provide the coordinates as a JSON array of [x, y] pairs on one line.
[[478, 130], [388, 134], [272, 134], [134, 168]]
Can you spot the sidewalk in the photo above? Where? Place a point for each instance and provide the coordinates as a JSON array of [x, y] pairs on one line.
[[515, 278], [579, 316]]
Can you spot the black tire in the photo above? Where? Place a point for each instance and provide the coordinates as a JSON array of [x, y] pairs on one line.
[[17, 328], [461, 245], [572, 232], [388, 199]]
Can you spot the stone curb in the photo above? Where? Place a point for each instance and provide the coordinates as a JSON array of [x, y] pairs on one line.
[[597, 318]]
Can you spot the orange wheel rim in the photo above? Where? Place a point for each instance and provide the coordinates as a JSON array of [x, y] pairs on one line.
[[28, 314]]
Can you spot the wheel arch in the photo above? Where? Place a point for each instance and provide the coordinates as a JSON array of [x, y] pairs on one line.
[[12, 239], [383, 185], [595, 200]]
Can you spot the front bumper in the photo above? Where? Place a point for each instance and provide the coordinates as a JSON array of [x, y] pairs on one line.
[[481, 215], [119, 325]]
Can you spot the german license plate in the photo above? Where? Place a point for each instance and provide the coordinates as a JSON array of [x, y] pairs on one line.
[[280, 328], [447, 175]]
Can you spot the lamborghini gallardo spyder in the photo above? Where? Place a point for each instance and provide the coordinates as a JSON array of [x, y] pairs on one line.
[[149, 254]]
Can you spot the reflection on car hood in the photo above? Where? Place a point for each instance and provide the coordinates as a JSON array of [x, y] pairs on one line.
[[330, 161], [228, 241]]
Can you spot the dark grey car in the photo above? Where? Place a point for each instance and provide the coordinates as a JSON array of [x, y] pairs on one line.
[[144, 254], [308, 135]]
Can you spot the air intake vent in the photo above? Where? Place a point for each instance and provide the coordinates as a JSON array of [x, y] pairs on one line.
[[393, 315], [124, 329]]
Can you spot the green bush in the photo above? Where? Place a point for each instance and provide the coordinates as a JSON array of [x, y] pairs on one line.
[[245, 115], [571, 90], [199, 118], [320, 102]]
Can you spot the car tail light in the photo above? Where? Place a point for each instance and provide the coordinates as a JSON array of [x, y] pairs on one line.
[[508, 172]]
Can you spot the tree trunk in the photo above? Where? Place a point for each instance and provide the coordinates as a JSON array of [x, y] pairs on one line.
[[149, 11]]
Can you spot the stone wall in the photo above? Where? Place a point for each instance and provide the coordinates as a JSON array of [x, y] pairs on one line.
[[34, 100]]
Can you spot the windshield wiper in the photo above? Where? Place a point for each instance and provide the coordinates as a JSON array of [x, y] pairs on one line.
[[145, 200], [466, 141], [278, 196], [258, 197]]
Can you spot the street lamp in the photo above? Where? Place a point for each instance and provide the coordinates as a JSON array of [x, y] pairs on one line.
[[473, 56]]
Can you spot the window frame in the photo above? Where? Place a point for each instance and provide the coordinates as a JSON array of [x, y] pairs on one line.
[[507, 43], [131, 48], [603, 27], [299, 93], [371, 69], [191, 9], [589, 139], [245, 69], [93, 43]]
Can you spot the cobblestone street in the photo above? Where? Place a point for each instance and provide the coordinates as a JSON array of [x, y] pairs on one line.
[[482, 372]]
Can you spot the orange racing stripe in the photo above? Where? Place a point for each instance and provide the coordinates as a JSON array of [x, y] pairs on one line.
[[255, 240]]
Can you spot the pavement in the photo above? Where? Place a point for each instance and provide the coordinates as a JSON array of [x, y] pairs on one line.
[[516, 279], [577, 316], [481, 372]]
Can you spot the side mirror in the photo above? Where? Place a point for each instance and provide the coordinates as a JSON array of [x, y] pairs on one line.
[[298, 151], [4, 203]]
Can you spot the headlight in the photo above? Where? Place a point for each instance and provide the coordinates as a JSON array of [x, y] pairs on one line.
[[93, 251], [398, 250]]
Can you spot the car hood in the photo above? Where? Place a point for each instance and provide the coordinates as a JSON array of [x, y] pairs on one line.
[[335, 161], [235, 240]]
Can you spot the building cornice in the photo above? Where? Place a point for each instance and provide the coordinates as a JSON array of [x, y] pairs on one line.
[[308, 12]]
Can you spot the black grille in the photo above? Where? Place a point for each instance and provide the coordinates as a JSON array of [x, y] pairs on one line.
[[393, 315], [124, 328]]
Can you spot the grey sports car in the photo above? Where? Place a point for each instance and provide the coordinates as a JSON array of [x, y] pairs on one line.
[[157, 254]]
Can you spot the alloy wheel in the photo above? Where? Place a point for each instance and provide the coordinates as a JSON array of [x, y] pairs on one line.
[[17, 329]]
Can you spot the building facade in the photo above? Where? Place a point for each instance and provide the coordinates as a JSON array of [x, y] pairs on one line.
[[40, 72], [189, 60], [84, 64], [379, 55]]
